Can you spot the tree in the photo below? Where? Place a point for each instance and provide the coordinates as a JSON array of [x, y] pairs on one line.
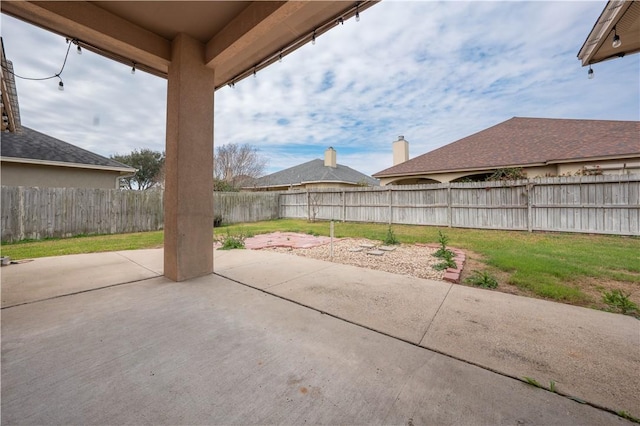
[[149, 164], [238, 165]]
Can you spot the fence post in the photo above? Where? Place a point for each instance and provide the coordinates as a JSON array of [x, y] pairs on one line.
[[21, 190], [449, 213], [344, 207], [308, 206], [529, 188], [390, 205]]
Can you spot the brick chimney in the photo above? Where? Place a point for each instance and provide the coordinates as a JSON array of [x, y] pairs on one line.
[[400, 151], [330, 157]]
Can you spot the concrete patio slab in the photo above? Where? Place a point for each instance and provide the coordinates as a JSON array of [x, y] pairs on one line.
[[590, 354], [96, 345], [48, 277], [396, 305], [265, 269], [211, 351], [152, 259]]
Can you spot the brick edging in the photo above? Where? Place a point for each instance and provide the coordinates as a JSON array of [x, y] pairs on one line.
[[452, 275]]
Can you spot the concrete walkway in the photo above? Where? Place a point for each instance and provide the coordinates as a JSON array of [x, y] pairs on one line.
[[279, 339]]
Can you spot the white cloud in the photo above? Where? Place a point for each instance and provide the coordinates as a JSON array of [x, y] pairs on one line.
[[431, 71]]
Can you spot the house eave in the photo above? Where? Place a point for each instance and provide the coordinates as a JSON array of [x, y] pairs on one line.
[[538, 164], [122, 170], [466, 169], [297, 184]]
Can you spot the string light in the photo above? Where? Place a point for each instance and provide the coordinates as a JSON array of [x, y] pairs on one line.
[[354, 11], [133, 69], [616, 39], [590, 73], [58, 74], [79, 50], [255, 73]]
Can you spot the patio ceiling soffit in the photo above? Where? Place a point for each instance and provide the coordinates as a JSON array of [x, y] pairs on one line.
[[260, 34], [624, 16]]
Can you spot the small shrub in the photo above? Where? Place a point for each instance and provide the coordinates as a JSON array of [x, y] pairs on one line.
[[390, 239], [482, 279], [619, 302], [231, 242], [443, 250], [447, 262]]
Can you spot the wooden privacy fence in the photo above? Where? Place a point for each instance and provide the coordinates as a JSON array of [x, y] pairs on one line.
[[36, 213], [594, 204], [239, 207], [608, 204]]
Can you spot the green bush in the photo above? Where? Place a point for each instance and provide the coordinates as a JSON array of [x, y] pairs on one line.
[[619, 302], [391, 238], [231, 242], [447, 262], [482, 279], [443, 251]]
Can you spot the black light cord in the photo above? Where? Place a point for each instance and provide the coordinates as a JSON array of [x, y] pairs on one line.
[[44, 78]]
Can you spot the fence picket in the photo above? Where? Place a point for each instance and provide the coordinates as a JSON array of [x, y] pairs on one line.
[[593, 204]]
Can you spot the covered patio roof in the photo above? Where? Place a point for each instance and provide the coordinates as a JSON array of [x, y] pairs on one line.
[[240, 37], [619, 18], [198, 46]]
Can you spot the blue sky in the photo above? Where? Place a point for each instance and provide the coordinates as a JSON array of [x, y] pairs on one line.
[[433, 72]]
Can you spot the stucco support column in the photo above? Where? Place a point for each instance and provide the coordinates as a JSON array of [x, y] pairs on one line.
[[188, 202]]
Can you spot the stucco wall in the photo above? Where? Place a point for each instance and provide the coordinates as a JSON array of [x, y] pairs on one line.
[[17, 174]]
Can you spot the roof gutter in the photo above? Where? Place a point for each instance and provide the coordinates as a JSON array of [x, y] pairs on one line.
[[539, 164], [65, 164]]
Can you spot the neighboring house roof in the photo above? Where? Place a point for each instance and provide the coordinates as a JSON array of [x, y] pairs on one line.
[[314, 171], [520, 142], [30, 146]]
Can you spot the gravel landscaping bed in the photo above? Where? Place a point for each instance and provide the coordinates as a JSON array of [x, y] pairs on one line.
[[413, 260]]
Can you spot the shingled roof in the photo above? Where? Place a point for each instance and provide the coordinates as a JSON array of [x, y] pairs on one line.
[[30, 146], [314, 171], [520, 142]]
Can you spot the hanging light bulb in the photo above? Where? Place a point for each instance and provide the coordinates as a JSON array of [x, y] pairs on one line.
[[616, 39], [61, 85], [590, 73], [280, 57], [133, 69], [79, 50], [313, 38], [255, 74], [357, 15], [341, 21]]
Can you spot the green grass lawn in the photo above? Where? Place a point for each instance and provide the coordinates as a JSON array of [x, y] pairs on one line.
[[81, 244], [548, 265]]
